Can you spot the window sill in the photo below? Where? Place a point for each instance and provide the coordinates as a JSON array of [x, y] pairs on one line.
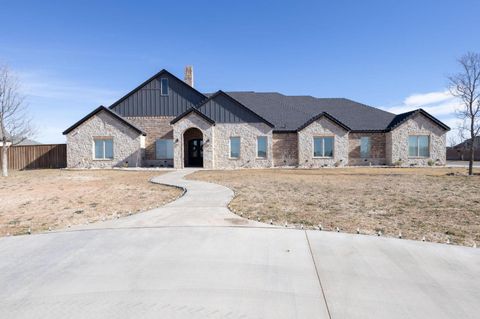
[[322, 157], [261, 158], [103, 159], [234, 158], [418, 157]]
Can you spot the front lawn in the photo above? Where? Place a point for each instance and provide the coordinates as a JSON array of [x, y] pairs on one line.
[[44, 199], [437, 203]]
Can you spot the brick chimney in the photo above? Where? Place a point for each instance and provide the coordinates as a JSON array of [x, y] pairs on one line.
[[189, 75]]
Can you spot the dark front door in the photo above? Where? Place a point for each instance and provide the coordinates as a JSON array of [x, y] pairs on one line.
[[195, 153]]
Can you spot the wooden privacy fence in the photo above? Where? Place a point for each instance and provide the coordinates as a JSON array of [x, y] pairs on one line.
[[37, 156]]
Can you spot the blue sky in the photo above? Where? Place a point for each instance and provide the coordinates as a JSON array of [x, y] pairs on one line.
[[73, 56]]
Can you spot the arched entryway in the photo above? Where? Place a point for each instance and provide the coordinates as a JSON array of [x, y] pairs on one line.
[[193, 148]]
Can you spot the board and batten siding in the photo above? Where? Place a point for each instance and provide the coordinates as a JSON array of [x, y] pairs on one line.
[[148, 101], [222, 109]]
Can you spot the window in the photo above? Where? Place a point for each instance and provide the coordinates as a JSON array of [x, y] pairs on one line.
[[419, 146], [365, 147], [234, 147], [164, 86], [262, 146], [164, 149], [323, 146], [103, 148]]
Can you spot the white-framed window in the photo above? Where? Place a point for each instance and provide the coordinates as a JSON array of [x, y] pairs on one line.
[[164, 86], [234, 147], [365, 147], [419, 146], [323, 146], [164, 149], [103, 148], [262, 143]]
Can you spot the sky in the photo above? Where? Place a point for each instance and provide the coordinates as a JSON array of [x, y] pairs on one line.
[[72, 56]]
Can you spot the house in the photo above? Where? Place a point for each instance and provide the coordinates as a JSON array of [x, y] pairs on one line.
[[18, 141], [167, 122], [461, 151]]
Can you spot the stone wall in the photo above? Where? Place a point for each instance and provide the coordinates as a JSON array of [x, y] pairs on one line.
[[285, 149], [127, 143], [248, 133], [322, 127], [189, 121], [397, 142], [377, 149], [156, 127]]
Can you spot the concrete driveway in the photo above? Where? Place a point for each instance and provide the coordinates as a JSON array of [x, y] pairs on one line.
[[195, 259]]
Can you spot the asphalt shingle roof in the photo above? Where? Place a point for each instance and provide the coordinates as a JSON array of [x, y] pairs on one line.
[[288, 113]]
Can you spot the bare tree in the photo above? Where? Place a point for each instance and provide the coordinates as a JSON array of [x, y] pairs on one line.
[[466, 86], [15, 124]]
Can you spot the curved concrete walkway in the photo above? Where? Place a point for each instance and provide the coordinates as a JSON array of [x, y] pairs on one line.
[[195, 259], [202, 204]]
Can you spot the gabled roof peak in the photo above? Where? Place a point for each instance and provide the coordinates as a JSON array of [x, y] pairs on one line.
[[110, 112]]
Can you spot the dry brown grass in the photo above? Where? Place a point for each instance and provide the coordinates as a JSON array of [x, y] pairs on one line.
[[56, 198], [416, 201]]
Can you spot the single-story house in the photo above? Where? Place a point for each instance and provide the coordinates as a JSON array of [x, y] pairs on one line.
[[461, 151], [166, 122]]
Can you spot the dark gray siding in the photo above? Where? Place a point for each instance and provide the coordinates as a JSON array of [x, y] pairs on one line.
[[147, 101], [222, 109]]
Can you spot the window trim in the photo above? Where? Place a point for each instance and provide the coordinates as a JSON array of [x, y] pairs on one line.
[[369, 155], [230, 147], [161, 87], [418, 156], [103, 138], [266, 147], [173, 149], [323, 146]]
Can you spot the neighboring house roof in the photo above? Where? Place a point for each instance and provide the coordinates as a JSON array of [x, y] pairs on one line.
[[27, 141], [97, 110], [189, 111], [20, 141], [467, 142], [288, 113], [401, 118]]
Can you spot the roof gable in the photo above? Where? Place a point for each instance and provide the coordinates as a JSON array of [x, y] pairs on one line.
[[96, 111], [402, 118], [194, 111], [147, 100], [327, 116], [222, 108]]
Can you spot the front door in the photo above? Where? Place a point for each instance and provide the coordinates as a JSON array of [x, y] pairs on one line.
[[195, 153]]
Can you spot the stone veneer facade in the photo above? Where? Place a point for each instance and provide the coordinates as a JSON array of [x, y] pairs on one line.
[[397, 142], [248, 133], [377, 149], [156, 127], [319, 128], [285, 149], [128, 144], [187, 122]]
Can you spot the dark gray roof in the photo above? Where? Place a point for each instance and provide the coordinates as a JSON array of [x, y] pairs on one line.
[[288, 113]]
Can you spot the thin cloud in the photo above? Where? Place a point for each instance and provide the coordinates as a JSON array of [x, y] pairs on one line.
[[44, 86], [440, 104], [55, 103]]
